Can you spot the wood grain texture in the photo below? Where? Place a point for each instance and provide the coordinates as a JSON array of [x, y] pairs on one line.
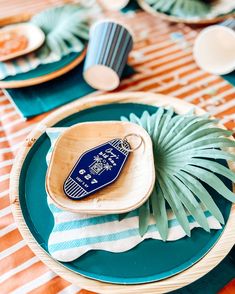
[[44, 78], [34, 35], [128, 192], [207, 263], [172, 18], [19, 11]]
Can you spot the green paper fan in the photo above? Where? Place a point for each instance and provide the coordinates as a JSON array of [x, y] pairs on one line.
[[66, 29], [181, 8], [185, 148]]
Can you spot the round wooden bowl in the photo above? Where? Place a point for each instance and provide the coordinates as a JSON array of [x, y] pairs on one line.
[[43, 78], [207, 263], [172, 18]]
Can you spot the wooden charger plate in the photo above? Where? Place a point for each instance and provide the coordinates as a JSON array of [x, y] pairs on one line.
[[172, 18], [211, 258], [128, 192], [44, 73]]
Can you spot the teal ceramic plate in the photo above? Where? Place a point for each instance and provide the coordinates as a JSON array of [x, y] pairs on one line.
[[151, 260], [44, 69]]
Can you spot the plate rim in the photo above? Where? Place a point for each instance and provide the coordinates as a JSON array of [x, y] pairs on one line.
[[44, 78], [205, 264], [203, 21]]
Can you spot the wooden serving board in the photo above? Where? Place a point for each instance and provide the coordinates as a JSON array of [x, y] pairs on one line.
[[197, 270]]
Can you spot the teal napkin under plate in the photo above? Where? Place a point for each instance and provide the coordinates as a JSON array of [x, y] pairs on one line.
[[131, 6], [230, 78], [39, 99]]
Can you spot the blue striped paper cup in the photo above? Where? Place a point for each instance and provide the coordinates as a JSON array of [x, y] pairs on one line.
[[214, 48], [109, 45]]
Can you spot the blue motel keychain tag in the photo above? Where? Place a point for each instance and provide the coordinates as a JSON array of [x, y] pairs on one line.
[[97, 168]]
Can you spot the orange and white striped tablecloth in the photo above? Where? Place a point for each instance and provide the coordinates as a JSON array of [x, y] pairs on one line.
[[165, 65]]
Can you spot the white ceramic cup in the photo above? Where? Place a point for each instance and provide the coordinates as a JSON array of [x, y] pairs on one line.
[[214, 48]]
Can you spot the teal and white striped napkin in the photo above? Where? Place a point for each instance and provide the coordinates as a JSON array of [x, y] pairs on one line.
[[29, 62], [74, 234]]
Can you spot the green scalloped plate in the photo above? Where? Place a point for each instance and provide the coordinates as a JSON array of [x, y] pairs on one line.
[[152, 260]]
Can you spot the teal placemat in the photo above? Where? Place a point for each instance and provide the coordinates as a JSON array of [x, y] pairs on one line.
[[214, 281], [39, 99], [131, 6], [230, 78]]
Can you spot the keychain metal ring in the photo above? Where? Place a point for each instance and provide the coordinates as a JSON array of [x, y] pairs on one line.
[[131, 135]]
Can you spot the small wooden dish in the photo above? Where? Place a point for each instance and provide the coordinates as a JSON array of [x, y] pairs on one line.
[[131, 189], [34, 35]]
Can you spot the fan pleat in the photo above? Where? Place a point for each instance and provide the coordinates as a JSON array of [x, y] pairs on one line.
[[185, 149]]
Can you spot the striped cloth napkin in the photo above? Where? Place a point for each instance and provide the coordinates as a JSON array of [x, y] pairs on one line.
[[74, 234]]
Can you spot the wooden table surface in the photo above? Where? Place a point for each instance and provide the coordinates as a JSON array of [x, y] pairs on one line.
[[164, 64]]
